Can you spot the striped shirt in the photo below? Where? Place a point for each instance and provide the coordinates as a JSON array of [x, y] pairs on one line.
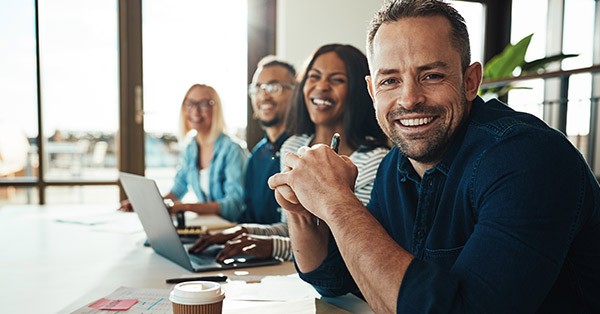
[[367, 162]]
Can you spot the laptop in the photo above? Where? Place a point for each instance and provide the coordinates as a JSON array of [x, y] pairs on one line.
[[162, 236]]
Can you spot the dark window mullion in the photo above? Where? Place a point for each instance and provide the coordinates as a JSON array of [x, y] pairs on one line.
[[41, 183], [131, 132]]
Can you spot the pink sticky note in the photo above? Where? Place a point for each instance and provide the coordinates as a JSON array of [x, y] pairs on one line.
[[113, 305]]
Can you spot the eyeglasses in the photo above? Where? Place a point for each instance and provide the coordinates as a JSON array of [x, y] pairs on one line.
[[273, 89], [200, 105]]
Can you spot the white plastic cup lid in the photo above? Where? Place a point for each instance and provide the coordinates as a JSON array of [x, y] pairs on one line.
[[197, 292]]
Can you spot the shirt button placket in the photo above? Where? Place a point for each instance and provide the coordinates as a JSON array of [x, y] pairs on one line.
[[425, 194]]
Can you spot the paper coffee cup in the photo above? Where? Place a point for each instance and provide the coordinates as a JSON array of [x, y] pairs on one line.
[[197, 297]]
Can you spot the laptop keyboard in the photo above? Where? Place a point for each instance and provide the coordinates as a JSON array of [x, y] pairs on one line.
[[207, 256], [202, 259]]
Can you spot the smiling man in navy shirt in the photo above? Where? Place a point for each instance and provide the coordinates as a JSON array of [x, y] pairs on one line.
[[271, 93], [477, 209]]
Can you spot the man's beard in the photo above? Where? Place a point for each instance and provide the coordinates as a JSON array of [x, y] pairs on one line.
[[270, 123], [439, 141], [432, 153], [436, 143]]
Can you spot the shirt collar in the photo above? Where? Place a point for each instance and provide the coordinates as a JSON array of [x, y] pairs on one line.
[[284, 136], [459, 139], [405, 168], [275, 147]]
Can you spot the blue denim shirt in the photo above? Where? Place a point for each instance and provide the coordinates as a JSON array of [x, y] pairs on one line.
[[261, 206], [225, 177], [507, 222]]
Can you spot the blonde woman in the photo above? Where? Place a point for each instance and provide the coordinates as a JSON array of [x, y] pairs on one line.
[[212, 163]]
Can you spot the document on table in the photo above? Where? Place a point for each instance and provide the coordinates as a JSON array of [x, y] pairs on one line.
[[108, 220], [274, 294], [271, 288], [211, 222], [149, 301]]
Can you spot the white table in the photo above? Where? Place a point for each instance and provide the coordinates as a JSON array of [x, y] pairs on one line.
[[48, 266]]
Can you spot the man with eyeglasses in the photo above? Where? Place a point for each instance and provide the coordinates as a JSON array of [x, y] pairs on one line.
[[271, 93]]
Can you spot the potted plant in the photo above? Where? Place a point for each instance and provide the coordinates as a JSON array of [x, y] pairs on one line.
[[511, 63]]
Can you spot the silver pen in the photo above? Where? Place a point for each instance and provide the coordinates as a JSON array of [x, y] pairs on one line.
[[335, 142]]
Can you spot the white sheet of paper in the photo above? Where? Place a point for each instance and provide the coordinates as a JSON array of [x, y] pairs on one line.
[[105, 220], [271, 288], [302, 306]]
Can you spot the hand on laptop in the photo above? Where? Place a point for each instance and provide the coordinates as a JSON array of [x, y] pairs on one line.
[[217, 238], [247, 244]]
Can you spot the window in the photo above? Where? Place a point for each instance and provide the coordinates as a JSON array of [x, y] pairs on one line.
[[79, 90], [576, 31], [189, 42], [473, 13]]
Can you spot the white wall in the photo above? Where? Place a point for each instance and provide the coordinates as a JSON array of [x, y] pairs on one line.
[[305, 25]]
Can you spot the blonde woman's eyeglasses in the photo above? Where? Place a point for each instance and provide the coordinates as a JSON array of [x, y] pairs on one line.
[[202, 105]]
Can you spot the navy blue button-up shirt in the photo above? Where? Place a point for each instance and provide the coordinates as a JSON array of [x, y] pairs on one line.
[[261, 206], [507, 222]]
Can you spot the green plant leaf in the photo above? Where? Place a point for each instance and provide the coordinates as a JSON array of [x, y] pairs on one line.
[[502, 65], [540, 64]]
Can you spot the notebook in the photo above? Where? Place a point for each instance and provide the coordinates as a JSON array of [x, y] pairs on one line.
[[162, 236]]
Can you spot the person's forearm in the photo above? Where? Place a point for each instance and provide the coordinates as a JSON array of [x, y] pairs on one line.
[[309, 241], [363, 243], [211, 208], [171, 196]]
